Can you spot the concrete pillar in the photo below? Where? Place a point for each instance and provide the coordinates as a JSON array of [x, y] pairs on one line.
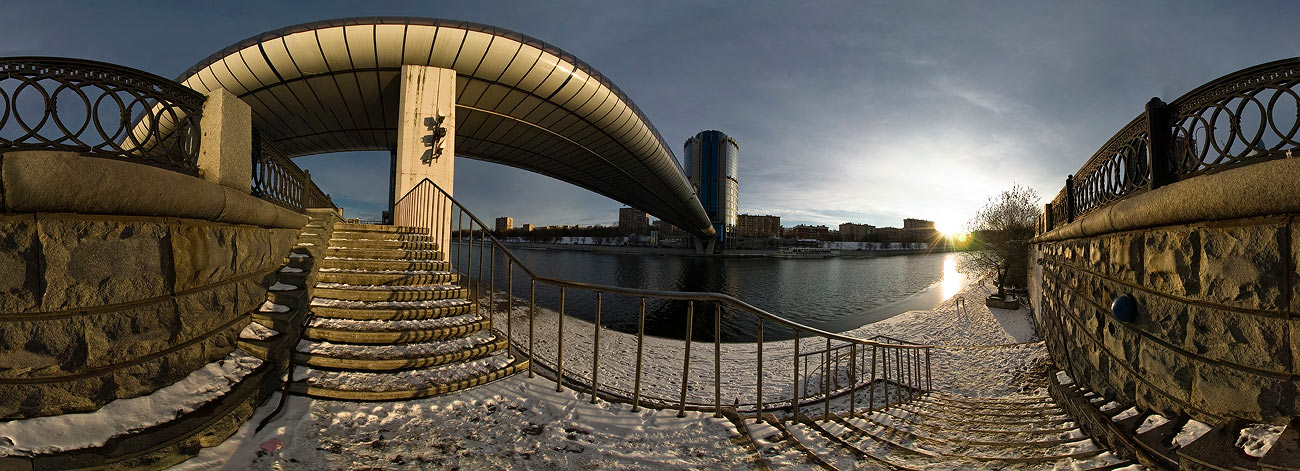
[[226, 144], [426, 94]]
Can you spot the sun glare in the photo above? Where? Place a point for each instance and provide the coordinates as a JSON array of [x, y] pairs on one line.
[[948, 228]]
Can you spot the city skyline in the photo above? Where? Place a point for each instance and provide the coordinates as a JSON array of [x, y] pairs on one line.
[[850, 111]]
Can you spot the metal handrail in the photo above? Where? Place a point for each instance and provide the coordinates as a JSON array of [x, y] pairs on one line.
[[430, 208], [278, 180]]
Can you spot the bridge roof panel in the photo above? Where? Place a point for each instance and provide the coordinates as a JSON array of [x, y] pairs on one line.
[[331, 86]]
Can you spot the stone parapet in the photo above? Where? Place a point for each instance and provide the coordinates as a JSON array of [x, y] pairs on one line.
[[1215, 336], [117, 278]]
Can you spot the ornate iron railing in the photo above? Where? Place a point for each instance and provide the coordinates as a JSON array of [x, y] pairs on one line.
[[98, 109], [808, 370], [1248, 116], [278, 180]]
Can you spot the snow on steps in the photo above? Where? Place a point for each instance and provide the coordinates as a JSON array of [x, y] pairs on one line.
[[372, 235], [350, 227], [397, 357], [351, 292], [386, 277], [409, 384], [389, 332], [965, 433], [389, 310], [379, 243], [384, 264], [385, 254]]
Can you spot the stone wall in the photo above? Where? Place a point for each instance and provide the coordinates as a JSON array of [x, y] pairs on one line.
[[1216, 330], [114, 294]]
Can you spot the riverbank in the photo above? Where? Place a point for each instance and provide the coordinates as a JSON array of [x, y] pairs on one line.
[[729, 253], [522, 423]]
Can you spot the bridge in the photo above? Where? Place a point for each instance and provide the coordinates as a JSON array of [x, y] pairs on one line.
[[157, 231]]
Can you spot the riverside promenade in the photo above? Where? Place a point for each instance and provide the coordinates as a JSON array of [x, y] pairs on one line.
[[523, 423]]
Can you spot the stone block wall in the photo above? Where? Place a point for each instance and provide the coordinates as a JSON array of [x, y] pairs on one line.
[[1217, 330], [96, 307]]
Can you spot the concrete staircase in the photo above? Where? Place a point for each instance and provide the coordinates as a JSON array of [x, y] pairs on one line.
[[390, 322], [935, 431]]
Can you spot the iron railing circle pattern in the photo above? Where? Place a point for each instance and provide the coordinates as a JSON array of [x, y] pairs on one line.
[[99, 109], [1248, 116], [278, 180]]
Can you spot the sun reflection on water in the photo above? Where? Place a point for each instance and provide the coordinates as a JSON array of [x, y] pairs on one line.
[[953, 280]]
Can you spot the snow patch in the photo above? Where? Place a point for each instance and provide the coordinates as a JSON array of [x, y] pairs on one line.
[[1063, 378], [299, 256], [279, 286], [393, 326], [273, 307], [1257, 439], [255, 331], [44, 435], [1190, 432], [1152, 421], [432, 287], [427, 303], [1110, 406], [290, 270], [1130, 412]]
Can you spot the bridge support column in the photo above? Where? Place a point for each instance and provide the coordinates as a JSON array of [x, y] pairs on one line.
[[427, 102]]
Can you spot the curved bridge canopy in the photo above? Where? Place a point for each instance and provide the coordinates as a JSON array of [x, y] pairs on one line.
[[332, 86]]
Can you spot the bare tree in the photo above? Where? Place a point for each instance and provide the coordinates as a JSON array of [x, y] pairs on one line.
[[1000, 233]]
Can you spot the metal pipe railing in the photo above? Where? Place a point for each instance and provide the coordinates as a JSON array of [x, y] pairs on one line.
[[816, 375]]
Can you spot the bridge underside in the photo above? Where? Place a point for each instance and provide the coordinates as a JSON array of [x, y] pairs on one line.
[[332, 86]]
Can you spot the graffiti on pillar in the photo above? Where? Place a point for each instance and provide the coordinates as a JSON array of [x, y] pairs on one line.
[[433, 140]]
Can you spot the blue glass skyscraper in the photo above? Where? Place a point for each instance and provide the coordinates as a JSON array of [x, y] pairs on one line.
[[711, 165]]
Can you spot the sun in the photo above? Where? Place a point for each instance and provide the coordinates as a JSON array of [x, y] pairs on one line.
[[949, 228]]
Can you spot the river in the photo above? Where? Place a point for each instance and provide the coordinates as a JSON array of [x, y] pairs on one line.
[[833, 294]]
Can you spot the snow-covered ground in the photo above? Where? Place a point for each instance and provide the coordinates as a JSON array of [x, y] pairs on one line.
[[524, 423]]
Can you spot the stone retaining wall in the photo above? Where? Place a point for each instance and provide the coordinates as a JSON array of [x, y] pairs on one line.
[[116, 299], [1216, 327]]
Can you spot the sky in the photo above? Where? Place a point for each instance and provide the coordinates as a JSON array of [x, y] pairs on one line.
[[857, 111]]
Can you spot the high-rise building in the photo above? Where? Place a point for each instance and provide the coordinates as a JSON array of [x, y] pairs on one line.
[[633, 221], [748, 225], [711, 165], [505, 223]]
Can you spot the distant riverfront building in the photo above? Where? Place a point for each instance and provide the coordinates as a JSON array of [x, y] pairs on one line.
[[505, 223], [633, 221], [748, 225], [711, 165], [807, 232], [851, 232], [528, 227]]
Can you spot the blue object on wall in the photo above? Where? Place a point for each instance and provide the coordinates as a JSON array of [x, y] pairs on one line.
[[1124, 308]]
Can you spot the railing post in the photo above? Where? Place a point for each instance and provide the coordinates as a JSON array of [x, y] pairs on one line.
[[1160, 135], [1069, 198], [595, 353], [853, 377], [929, 380], [532, 308], [640, 341], [559, 349], [871, 394], [717, 360], [686, 357], [794, 403], [826, 380], [759, 403], [510, 303], [1050, 222]]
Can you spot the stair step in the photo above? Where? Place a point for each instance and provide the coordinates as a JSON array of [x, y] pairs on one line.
[[384, 264], [408, 384], [391, 332], [382, 244], [389, 310], [384, 254], [350, 227], [394, 278], [397, 357], [353, 292], [420, 237]]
